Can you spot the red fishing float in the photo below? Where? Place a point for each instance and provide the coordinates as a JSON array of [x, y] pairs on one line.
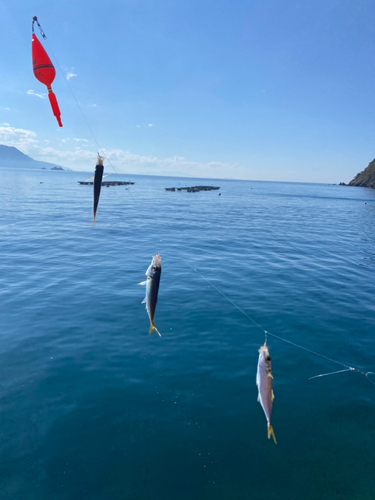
[[44, 70]]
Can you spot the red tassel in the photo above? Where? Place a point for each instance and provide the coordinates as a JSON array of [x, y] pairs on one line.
[[54, 106]]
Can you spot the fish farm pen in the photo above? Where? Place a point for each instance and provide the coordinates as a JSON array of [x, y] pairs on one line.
[[106, 183], [193, 189]]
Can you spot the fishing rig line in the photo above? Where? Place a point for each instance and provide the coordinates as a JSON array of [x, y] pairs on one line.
[[266, 333], [73, 95]]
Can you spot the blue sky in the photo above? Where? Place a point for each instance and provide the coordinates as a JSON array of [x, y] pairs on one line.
[[262, 90]]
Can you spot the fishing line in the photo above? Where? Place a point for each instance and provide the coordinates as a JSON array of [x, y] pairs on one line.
[[83, 115], [74, 97], [341, 371], [266, 333], [331, 373]]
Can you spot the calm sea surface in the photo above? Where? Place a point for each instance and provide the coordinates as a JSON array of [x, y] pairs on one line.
[[92, 407]]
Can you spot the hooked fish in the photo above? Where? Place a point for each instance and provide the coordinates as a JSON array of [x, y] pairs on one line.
[[98, 182], [152, 282], [264, 382]]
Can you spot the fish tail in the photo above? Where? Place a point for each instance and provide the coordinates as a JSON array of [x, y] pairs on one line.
[[153, 327], [270, 432]]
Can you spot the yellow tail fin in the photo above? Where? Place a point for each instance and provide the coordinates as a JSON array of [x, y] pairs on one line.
[[271, 433], [153, 327]]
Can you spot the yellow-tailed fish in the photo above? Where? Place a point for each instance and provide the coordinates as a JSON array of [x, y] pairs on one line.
[[152, 282], [264, 382]]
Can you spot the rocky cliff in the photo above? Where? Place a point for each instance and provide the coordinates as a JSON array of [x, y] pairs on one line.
[[366, 178]]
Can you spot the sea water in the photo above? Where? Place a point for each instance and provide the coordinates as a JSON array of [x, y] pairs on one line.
[[92, 407]]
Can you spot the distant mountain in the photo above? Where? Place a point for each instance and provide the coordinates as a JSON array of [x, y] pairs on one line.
[[366, 178], [11, 157]]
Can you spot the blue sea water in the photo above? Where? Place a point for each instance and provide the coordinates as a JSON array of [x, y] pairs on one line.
[[92, 407]]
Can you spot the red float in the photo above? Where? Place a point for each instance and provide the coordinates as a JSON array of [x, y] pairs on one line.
[[45, 72]]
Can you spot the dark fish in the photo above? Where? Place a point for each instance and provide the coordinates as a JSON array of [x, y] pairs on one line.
[[152, 282], [99, 169]]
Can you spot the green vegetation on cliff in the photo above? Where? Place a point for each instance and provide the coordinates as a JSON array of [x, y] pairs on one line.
[[366, 178]]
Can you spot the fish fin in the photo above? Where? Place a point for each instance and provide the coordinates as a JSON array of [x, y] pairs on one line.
[[143, 301], [271, 433], [273, 396], [258, 399], [142, 283], [153, 327], [270, 375]]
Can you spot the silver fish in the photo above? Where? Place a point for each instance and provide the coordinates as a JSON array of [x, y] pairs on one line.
[[264, 382], [152, 282]]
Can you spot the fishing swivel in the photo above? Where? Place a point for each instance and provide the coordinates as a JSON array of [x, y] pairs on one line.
[[35, 20]]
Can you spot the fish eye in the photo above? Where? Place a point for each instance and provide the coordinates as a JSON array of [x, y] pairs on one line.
[[268, 358]]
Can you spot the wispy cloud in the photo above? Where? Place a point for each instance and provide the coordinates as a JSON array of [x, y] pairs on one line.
[[19, 138], [32, 92], [79, 158], [70, 75], [148, 125], [124, 161], [116, 159]]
